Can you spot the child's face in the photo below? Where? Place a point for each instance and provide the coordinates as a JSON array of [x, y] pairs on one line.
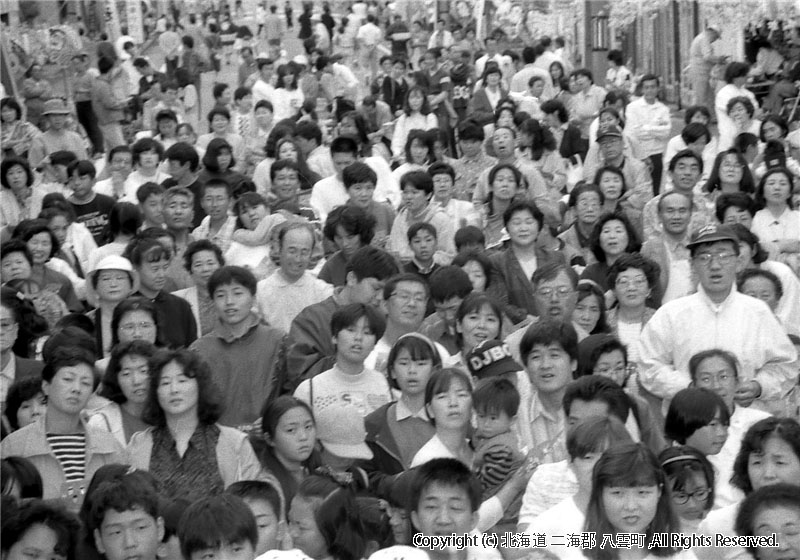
[[444, 509], [233, 303], [695, 488], [709, 439], [245, 104], [411, 375], [263, 117], [304, 530], [251, 216], [415, 199], [492, 424], [613, 366], [153, 209], [29, 411], [355, 342], [267, 523], [418, 151], [229, 551], [470, 148], [361, 194], [537, 88], [219, 124], [716, 374], [178, 212], [550, 367], [149, 160], [81, 185], [225, 96], [167, 127], [294, 435], [423, 244], [128, 534]]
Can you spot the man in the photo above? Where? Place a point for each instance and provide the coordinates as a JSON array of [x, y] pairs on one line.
[[243, 354], [441, 36], [586, 101], [248, 69], [178, 203], [717, 316], [473, 160], [273, 26], [449, 286], [669, 249], [312, 350], [183, 164], [291, 288], [686, 169], [702, 60], [318, 157], [650, 126], [57, 137], [520, 80], [170, 43], [612, 153], [263, 87], [406, 299], [368, 37], [399, 34], [107, 106], [83, 83]]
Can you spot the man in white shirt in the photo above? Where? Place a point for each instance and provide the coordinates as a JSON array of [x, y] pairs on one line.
[[520, 80], [702, 60], [441, 37], [291, 288], [493, 53], [649, 124], [263, 88], [369, 36], [717, 316]]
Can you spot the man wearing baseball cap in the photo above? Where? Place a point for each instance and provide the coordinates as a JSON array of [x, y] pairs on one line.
[[57, 137], [717, 316]]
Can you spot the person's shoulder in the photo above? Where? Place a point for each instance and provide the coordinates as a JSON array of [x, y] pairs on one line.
[[105, 200], [17, 442]]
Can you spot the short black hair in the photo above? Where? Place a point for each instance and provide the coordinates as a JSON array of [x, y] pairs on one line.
[[183, 153], [518, 206], [309, 130], [545, 332], [419, 180], [214, 521], [749, 273], [147, 190], [627, 261], [554, 106], [415, 228], [494, 395], [217, 91], [780, 495], [449, 282], [135, 490], [469, 235], [251, 490], [471, 130], [754, 441], [348, 315], [445, 472], [64, 524], [110, 387], [691, 409], [598, 388], [371, 262], [147, 145], [22, 390], [227, 275], [66, 357], [634, 243], [82, 168], [738, 200], [8, 163], [684, 154], [358, 172], [344, 145], [26, 229]]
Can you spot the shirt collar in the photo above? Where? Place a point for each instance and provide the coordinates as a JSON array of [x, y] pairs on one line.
[[10, 371], [404, 412]]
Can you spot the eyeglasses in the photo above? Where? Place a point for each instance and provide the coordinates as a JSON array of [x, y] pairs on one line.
[[722, 258], [681, 498], [637, 282], [407, 297], [143, 325], [561, 291], [606, 371]]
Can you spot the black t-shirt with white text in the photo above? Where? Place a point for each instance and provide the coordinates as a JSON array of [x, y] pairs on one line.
[[94, 215]]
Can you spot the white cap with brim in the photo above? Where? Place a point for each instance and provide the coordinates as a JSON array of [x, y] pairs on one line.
[[110, 262], [341, 431]]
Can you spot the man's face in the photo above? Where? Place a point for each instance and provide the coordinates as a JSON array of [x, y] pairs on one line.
[[715, 266], [153, 275], [423, 244], [132, 533], [650, 90], [587, 208], [233, 303], [368, 290], [215, 202], [675, 213], [735, 215], [407, 304], [296, 253], [611, 147], [716, 374], [178, 212], [549, 367], [286, 184], [556, 298], [153, 209], [443, 510], [82, 186], [503, 142], [342, 160], [686, 174]]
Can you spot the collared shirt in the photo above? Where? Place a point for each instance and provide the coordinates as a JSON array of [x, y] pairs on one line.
[[740, 324], [585, 105], [403, 412], [223, 236], [702, 215], [549, 432], [771, 230], [280, 300], [7, 376], [192, 476], [649, 124], [468, 170]]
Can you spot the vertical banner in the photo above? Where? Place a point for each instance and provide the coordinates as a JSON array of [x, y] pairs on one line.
[[133, 11], [111, 19]]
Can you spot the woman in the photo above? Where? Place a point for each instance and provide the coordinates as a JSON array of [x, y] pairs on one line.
[[740, 111], [690, 482], [560, 81], [777, 224], [698, 418], [125, 384], [47, 272], [112, 281], [135, 318], [287, 98], [515, 265], [219, 163], [479, 318], [612, 236], [477, 266], [629, 495], [505, 183], [17, 134], [568, 136], [538, 145], [615, 191], [19, 199], [219, 120], [287, 148], [416, 116], [284, 129], [736, 75], [730, 174], [201, 259], [484, 101], [774, 510], [39, 529], [187, 452], [634, 280], [418, 153], [448, 402], [24, 328], [36, 89], [769, 454], [590, 309]]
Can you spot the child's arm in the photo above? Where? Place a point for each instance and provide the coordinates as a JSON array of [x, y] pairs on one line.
[[260, 235]]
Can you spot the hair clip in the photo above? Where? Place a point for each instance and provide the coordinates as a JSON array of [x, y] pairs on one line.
[[680, 458]]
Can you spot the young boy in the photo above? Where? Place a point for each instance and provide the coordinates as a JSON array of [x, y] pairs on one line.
[[449, 286], [221, 526], [151, 259], [359, 182], [265, 501], [318, 157], [178, 202], [242, 114], [124, 518], [120, 165], [470, 238], [91, 209], [444, 500], [151, 203], [243, 353], [549, 350], [423, 243], [222, 96], [183, 163], [329, 192], [355, 328], [218, 226]]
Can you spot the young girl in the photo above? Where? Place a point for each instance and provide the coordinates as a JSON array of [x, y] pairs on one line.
[[448, 402], [287, 97], [147, 155], [288, 446], [254, 224], [416, 115], [690, 480], [398, 430], [778, 224], [478, 318], [629, 495], [418, 153]]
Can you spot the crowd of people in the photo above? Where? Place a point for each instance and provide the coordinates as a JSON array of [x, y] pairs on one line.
[[457, 291]]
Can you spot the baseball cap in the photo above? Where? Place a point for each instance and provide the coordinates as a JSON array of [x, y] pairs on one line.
[[711, 234], [341, 431], [491, 358], [610, 131]]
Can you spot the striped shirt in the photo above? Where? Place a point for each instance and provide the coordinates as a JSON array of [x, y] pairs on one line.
[[70, 450]]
